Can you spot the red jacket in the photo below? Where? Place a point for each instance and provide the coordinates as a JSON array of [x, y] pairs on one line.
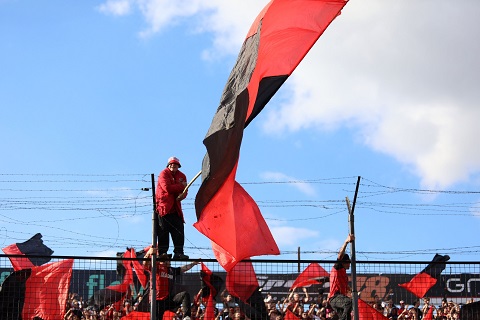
[[169, 186], [338, 280]]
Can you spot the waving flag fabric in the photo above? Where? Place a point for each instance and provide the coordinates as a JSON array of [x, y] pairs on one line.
[[35, 252], [311, 275], [136, 315], [136, 263], [37, 292], [211, 287], [367, 312], [114, 294], [242, 280], [429, 314], [428, 277], [279, 38], [289, 315]]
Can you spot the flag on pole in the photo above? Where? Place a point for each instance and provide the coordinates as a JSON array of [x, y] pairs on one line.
[[36, 253], [312, 274], [277, 41], [427, 278]]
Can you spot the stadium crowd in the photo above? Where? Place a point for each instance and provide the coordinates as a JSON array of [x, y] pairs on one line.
[[303, 306]]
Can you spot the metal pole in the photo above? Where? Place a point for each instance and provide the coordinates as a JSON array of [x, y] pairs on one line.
[[153, 279], [298, 257], [351, 219]]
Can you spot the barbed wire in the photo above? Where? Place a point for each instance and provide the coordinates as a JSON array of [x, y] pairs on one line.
[[126, 199]]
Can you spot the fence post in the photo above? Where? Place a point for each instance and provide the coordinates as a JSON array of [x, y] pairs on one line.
[[153, 279], [352, 250]]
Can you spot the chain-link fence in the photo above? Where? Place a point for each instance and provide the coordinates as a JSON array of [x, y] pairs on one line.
[[110, 288]]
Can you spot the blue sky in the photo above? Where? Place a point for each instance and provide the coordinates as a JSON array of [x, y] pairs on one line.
[[108, 90]]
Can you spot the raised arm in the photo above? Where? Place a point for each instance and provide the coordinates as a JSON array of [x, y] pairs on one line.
[[349, 239], [189, 266]]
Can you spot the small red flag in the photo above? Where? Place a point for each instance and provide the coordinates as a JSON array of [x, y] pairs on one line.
[[420, 284], [139, 269], [206, 279], [367, 312], [289, 315], [311, 275], [429, 315], [427, 278], [136, 315]]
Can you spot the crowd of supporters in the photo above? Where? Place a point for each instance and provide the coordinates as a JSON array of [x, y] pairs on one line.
[[303, 306]]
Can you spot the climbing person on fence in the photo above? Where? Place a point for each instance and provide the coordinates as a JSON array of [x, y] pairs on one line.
[[340, 295]]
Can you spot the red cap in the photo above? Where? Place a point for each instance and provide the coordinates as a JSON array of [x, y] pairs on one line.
[[174, 160]]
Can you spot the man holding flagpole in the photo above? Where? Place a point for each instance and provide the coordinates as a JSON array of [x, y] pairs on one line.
[[340, 295], [169, 193]]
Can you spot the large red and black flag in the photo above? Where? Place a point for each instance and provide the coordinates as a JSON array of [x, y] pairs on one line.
[[34, 253], [428, 277], [38, 292], [279, 38]]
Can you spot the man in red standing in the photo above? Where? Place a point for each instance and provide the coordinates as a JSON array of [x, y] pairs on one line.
[[340, 295], [168, 195]]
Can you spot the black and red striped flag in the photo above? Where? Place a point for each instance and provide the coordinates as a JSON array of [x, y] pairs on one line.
[[35, 253], [427, 278], [277, 41]]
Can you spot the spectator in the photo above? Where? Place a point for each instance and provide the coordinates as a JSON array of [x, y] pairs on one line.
[[414, 312], [391, 310], [403, 310], [228, 301], [427, 306], [453, 310], [169, 194], [440, 314], [168, 298]]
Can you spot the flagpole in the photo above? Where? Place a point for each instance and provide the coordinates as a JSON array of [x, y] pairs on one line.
[[351, 220], [181, 196], [153, 279]]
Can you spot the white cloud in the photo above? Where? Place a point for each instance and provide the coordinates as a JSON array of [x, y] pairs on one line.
[[227, 20], [303, 187], [106, 253], [408, 88], [116, 7], [290, 236], [403, 74]]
